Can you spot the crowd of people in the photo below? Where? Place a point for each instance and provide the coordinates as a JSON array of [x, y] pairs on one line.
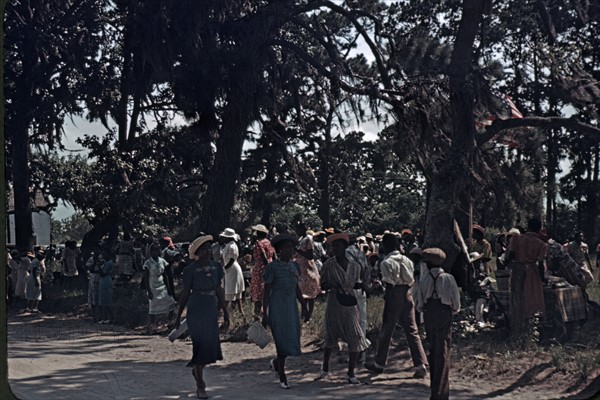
[[287, 272]]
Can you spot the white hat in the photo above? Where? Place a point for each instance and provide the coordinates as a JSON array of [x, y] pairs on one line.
[[228, 233], [260, 228]]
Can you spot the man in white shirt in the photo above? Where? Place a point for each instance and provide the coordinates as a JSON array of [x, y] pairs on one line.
[[438, 297], [397, 276]]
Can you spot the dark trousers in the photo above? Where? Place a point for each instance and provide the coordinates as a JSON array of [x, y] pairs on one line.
[[399, 307], [438, 326]]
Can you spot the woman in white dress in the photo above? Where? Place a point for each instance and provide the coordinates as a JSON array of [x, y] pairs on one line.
[[33, 288], [160, 295], [234, 278]]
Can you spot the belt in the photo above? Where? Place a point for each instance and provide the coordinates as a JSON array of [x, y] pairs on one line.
[[205, 292]]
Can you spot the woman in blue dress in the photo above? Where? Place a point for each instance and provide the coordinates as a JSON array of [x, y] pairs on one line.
[[280, 310], [203, 295]]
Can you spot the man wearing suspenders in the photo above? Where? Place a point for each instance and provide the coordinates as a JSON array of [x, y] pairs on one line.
[[438, 297]]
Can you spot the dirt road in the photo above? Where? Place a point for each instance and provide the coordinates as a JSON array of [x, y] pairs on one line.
[[56, 358]]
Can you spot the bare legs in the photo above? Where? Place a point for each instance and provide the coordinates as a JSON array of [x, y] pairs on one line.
[[308, 311], [238, 303], [198, 373], [352, 360]]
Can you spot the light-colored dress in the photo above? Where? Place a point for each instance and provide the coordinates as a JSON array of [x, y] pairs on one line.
[[342, 322], [161, 302], [34, 292], [283, 309], [23, 274], [310, 283], [70, 261], [234, 278]]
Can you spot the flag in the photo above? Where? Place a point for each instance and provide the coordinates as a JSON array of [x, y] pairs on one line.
[[506, 110]]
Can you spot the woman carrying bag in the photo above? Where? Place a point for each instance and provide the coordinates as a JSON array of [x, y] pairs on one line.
[[342, 322]]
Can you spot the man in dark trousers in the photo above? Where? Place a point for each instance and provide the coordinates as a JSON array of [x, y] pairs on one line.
[[438, 297], [397, 273]]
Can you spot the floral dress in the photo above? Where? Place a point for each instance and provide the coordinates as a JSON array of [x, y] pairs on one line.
[[310, 281], [263, 254]]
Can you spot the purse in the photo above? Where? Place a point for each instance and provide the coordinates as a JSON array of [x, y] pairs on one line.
[[345, 299], [258, 335]]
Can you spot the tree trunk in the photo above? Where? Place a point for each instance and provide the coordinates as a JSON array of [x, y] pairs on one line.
[[237, 116], [453, 173], [89, 243], [21, 177], [324, 204], [551, 182]]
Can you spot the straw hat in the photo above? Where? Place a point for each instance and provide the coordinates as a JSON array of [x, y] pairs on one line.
[[228, 233], [196, 244], [434, 256], [369, 235], [260, 228], [513, 231], [338, 236]]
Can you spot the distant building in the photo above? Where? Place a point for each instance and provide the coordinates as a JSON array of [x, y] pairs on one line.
[[39, 216]]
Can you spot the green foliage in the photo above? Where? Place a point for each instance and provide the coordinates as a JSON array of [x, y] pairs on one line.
[[72, 228]]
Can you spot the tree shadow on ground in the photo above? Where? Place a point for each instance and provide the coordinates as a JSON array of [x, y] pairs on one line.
[[592, 390], [525, 379]]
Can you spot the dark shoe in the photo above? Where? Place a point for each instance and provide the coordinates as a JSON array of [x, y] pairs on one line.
[[421, 372], [373, 367]]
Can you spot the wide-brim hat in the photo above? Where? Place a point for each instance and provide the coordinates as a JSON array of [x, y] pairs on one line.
[[228, 233], [260, 228], [338, 236], [282, 237], [369, 236], [196, 244], [406, 232], [479, 228], [513, 231], [434, 256]]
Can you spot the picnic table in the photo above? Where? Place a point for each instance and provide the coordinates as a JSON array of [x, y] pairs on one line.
[[563, 305]]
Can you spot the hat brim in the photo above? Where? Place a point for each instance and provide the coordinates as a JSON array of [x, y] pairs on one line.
[[259, 228], [338, 236], [196, 244]]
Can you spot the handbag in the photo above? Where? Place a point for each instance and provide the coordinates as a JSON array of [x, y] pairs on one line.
[[345, 299], [258, 335]]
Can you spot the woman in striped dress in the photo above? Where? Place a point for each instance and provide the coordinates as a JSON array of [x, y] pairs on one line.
[[342, 322]]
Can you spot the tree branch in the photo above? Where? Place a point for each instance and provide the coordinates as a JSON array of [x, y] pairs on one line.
[[571, 124]]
